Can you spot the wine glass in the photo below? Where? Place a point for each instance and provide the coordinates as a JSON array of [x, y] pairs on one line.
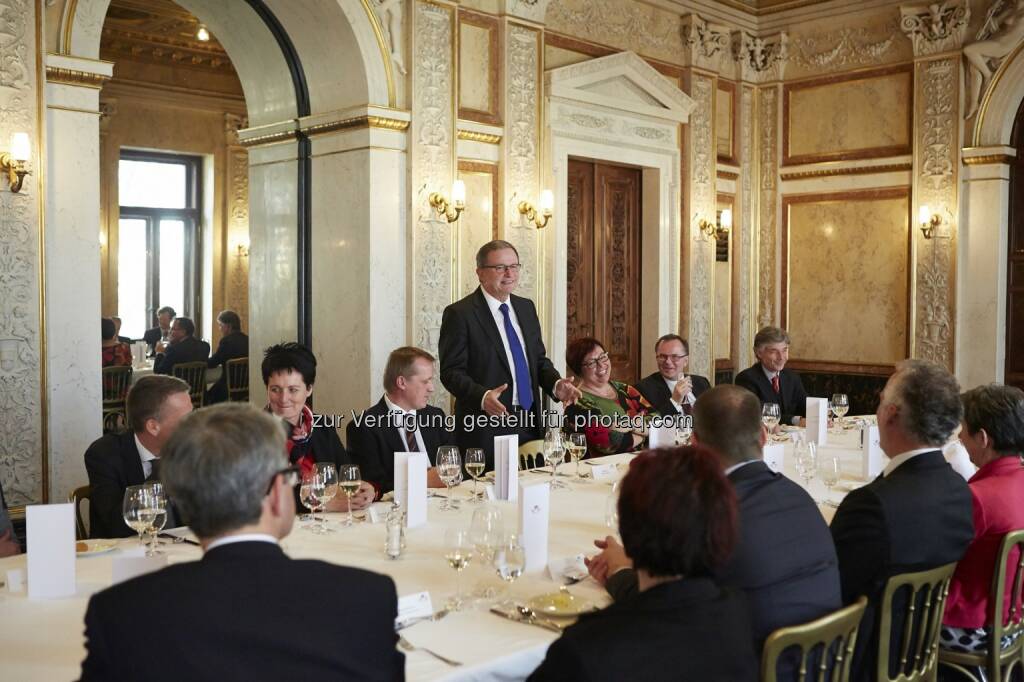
[[486, 530], [577, 447], [611, 509], [307, 499], [328, 473], [349, 480], [458, 552], [839, 406], [449, 468], [554, 454], [684, 430], [475, 464], [509, 561], [135, 511], [313, 490], [158, 502], [770, 416], [805, 459], [829, 471]]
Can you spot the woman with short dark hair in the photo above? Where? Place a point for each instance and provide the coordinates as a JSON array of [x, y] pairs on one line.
[[677, 519], [114, 352]]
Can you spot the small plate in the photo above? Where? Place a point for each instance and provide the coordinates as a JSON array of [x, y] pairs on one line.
[[93, 547], [787, 428], [562, 603]]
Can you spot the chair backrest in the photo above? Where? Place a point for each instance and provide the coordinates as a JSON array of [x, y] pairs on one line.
[[826, 645], [116, 381], [531, 455], [237, 378], [194, 374], [921, 618], [77, 495], [1013, 626]]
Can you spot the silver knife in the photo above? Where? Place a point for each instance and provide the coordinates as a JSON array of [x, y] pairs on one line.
[[547, 625]]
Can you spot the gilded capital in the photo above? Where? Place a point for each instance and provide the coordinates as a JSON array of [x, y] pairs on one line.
[[936, 27], [761, 60], [707, 43]]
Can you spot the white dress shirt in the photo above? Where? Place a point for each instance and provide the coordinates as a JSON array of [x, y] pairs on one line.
[[400, 413], [734, 467], [241, 537], [499, 319], [899, 459], [145, 456], [689, 397]]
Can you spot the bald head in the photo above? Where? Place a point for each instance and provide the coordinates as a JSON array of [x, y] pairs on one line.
[[727, 419]]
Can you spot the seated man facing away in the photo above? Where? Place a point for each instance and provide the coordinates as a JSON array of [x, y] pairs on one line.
[[381, 431], [769, 379], [233, 344], [183, 347], [677, 519], [993, 434], [155, 404], [245, 611], [916, 516], [784, 561]]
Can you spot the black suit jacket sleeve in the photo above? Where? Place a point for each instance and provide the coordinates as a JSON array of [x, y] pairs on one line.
[[95, 666], [453, 349], [861, 540], [622, 584], [562, 662], [108, 482]]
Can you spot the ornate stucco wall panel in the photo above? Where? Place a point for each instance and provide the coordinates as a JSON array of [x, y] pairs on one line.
[[624, 24], [768, 201], [745, 248], [236, 258], [820, 47]]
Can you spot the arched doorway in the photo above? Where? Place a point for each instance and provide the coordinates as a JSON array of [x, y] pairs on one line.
[[1015, 263]]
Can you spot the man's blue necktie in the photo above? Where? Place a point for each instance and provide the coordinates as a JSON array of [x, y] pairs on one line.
[[522, 369]]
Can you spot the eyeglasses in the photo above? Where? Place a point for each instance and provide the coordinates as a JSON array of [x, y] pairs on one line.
[[602, 358], [291, 478], [502, 269], [661, 357]]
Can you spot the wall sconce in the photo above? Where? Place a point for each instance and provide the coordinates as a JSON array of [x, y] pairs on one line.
[[547, 207], [705, 229], [242, 248], [13, 162], [929, 222], [450, 211], [202, 34]]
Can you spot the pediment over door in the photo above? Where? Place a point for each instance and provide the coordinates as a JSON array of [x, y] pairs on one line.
[[623, 82]]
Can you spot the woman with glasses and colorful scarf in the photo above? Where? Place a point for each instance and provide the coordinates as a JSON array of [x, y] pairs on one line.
[[289, 370], [612, 414]]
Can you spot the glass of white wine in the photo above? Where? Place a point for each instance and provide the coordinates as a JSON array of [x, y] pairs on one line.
[[475, 464], [327, 473], [135, 511], [829, 470], [770, 415], [458, 552], [449, 468], [158, 510], [840, 405], [577, 447], [349, 480]]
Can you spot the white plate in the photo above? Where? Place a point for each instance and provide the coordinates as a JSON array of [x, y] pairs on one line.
[[96, 547], [562, 604]]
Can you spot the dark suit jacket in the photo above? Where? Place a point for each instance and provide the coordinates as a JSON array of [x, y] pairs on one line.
[[473, 361], [189, 349], [246, 611], [152, 336], [656, 391], [113, 464], [916, 518], [687, 629], [234, 345], [784, 560], [792, 398], [373, 447]]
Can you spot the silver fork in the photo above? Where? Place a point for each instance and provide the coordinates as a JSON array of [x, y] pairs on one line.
[[406, 645]]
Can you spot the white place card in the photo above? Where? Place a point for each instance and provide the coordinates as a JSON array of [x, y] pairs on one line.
[[412, 607], [411, 486], [506, 467], [568, 567], [534, 512], [817, 420], [873, 459], [661, 436], [774, 457], [127, 567], [604, 472], [51, 550]]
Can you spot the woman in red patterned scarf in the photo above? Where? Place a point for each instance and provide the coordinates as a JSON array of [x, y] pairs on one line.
[[612, 414], [289, 371]]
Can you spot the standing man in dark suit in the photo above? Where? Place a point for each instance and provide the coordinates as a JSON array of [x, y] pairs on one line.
[[233, 344], [184, 347], [784, 561], [917, 515], [244, 610], [155, 404], [164, 316], [401, 421], [769, 379], [493, 359], [671, 390]]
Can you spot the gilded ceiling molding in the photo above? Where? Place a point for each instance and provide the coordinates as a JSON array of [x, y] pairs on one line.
[[353, 123], [936, 27], [474, 136], [56, 74], [858, 170], [988, 159]]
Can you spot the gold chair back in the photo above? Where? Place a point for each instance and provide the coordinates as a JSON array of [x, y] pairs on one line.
[[237, 378], [826, 644], [999, 662], [80, 493], [531, 455], [116, 381], [194, 374], [922, 618]]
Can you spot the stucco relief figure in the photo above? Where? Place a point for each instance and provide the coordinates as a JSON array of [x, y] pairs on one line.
[[390, 13], [1002, 31]]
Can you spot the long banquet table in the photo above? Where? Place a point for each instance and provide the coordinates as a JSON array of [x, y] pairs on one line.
[[44, 639]]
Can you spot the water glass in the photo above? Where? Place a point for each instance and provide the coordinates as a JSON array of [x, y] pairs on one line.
[[158, 500], [829, 470], [839, 404], [770, 415], [134, 509], [458, 552], [449, 468], [554, 454]]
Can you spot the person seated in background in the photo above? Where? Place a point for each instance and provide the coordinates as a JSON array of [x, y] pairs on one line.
[[677, 519], [9, 545], [769, 379], [155, 404], [604, 401], [233, 344], [245, 610], [114, 352], [993, 434], [671, 390], [183, 347], [289, 371], [373, 442], [153, 336], [117, 331]]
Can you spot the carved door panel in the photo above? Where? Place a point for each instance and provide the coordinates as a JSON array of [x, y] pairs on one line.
[[604, 261]]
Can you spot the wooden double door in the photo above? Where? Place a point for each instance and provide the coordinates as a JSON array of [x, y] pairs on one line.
[[604, 260]]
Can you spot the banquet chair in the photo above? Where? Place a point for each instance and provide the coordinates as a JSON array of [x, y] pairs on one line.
[[921, 612], [194, 374], [80, 493], [825, 645], [116, 381], [998, 662], [237, 379], [531, 455]]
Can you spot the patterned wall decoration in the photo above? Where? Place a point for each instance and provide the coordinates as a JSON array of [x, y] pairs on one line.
[[768, 171], [237, 259], [744, 247], [844, 48], [432, 167], [623, 24], [20, 415]]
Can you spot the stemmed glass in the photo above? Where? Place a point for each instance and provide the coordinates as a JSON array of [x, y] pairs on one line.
[[805, 457], [684, 429], [458, 552], [475, 464], [486, 531], [611, 509], [449, 468], [577, 447], [307, 499], [158, 505], [829, 470], [554, 454], [839, 406], [135, 510], [312, 493], [509, 559], [349, 480], [770, 414], [327, 472]]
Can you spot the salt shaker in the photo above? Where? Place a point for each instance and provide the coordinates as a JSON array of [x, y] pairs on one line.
[[394, 524]]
